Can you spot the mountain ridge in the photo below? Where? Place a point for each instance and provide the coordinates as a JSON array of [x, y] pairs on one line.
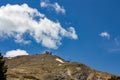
[[50, 67]]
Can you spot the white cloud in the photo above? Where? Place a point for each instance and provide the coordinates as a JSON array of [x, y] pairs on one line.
[[117, 41], [17, 20], [55, 6], [105, 35], [14, 53], [19, 39]]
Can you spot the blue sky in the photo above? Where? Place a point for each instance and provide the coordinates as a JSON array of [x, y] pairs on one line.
[[86, 31]]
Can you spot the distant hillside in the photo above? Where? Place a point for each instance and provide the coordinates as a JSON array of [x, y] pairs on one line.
[[50, 67]]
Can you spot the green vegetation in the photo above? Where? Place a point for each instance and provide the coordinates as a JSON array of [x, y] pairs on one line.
[[3, 68]]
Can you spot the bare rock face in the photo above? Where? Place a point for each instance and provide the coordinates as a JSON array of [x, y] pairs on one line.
[[49, 67]]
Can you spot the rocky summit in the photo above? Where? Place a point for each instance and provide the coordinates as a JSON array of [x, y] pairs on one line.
[[50, 67]]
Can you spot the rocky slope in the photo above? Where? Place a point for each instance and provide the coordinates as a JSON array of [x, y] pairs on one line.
[[50, 67]]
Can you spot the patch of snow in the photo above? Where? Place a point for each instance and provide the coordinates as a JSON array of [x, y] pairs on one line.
[[61, 61]]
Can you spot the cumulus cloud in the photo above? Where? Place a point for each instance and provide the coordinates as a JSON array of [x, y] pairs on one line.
[[55, 6], [105, 35], [14, 53], [17, 20]]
